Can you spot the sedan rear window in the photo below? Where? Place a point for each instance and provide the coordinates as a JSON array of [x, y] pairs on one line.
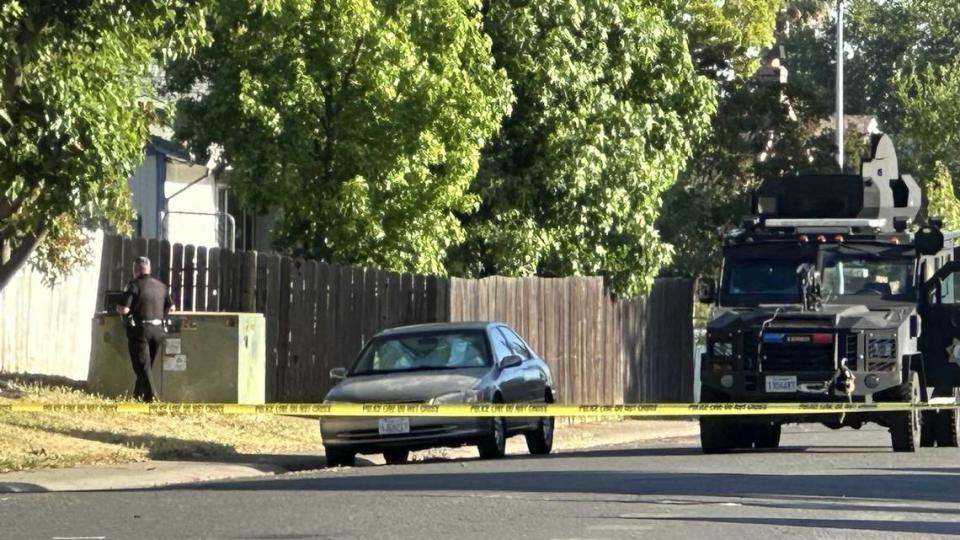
[[415, 352]]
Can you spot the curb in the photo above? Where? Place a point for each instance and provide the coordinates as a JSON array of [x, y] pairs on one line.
[[156, 474]]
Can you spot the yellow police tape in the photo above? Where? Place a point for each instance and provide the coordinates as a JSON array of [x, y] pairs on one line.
[[476, 409]]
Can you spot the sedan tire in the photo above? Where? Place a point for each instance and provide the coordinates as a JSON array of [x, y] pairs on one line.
[[339, 457], [396, 457], [540, 440], [494, 445]]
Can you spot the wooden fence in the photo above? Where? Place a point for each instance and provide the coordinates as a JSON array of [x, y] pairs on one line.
[[320, 315]]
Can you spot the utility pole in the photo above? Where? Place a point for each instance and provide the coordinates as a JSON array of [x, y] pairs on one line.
[[840, 123]]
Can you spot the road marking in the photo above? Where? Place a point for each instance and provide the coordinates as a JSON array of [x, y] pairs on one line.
[[79, 538]]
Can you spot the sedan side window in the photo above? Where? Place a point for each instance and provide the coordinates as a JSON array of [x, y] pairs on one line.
[[501, 347], [516, 344]]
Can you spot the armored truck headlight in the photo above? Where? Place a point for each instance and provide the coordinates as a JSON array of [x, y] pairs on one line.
[[883, 346]]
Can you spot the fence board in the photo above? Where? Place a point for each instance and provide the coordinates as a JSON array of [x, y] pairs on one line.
[[163, 262], [200, 294], [283, 323], [189, 277], [227, 270], [296, 368], [272, 315], [176, 276], [248, 282], [370, 316], [327, 323], [213, 279]]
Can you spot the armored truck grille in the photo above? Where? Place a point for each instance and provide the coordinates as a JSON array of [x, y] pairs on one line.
[[798, 357], [851, 342]]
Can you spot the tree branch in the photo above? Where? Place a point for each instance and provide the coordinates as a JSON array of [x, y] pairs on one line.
[[8, 208], [352, 66], [18, 256]]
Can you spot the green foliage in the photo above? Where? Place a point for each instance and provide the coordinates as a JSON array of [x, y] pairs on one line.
[[360, 120], [890, 39], [608, 108], [942, 198], [74, 111], [930, 99], [760, 130], [723, 36]]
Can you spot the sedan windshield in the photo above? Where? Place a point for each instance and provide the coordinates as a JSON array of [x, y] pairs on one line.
[[417, 352]]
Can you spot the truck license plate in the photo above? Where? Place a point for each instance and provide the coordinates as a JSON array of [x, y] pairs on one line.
[[782, 383], [394, 426]]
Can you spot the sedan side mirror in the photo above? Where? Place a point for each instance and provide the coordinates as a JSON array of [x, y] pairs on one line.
[[707, 290], [338, 373], [511, 361]]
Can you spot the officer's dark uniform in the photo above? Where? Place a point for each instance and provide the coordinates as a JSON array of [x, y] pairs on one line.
[[149, 303]]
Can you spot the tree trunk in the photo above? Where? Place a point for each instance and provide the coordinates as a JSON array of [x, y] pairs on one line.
[[14, 258]]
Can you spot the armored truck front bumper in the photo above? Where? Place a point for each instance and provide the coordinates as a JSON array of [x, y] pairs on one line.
[[797, 386]]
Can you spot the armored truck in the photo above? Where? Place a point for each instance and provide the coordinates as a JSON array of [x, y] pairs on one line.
[[830, 291]]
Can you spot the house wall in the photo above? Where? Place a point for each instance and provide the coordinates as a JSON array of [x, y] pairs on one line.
[[143, 188]]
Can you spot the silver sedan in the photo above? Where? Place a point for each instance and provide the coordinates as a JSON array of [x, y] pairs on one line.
[[477, 362]]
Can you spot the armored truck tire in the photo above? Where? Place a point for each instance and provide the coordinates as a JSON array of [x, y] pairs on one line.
[[767, 436], [944, 423], [905, 427], [928, 425], [718, 435]]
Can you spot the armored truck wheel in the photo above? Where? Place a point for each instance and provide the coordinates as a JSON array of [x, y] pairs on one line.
[[767, 436], [905, 426], [946, 427], [928, 426], [717, 435]]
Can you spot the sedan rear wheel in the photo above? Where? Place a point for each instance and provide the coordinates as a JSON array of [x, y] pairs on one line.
[[339, 457], [396, 457], [494, 445]]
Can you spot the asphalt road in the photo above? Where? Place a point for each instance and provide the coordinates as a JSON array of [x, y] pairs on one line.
[[822, 484]]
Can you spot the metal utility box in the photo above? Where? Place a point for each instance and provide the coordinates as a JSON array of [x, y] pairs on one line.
[[205, 358]]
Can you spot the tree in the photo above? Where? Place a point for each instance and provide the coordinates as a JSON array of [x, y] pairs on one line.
[[930, 101], [608, 107], [74, 114], [760, 130], [942, 198], [891, 39], [361, 121]]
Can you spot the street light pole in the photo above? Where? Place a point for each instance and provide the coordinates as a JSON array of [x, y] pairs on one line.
[[840, 123]]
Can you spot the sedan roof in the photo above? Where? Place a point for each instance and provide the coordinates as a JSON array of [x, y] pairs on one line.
[[439, 327]]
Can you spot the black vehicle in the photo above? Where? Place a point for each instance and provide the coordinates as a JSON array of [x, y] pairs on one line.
[[827, 295]]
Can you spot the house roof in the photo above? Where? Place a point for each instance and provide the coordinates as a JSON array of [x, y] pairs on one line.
[[169, 149]]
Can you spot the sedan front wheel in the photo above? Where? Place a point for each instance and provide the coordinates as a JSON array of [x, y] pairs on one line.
[[494, 445]]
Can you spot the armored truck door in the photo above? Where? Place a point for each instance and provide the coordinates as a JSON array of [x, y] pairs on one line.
[[940, 330]]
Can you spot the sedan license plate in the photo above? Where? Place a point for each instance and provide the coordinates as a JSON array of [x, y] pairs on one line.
[[394, 426], [782, 383]]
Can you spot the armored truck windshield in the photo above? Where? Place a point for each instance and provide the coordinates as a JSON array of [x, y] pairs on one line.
[[868, 274]]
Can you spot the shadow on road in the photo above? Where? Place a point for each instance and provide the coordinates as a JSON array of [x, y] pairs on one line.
[[894, 487], [921, 527]]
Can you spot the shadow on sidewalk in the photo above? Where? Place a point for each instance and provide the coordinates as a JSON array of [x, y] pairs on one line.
[[168, 448]]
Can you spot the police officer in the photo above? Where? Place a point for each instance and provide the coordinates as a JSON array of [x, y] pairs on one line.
[[146, 303]]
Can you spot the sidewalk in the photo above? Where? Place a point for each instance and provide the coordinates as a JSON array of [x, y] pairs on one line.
[[149, 474]]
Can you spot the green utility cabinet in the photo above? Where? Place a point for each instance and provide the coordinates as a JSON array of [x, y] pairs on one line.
[[205, 358]]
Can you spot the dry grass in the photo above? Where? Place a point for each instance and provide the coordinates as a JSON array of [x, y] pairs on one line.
[[52, 440]]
